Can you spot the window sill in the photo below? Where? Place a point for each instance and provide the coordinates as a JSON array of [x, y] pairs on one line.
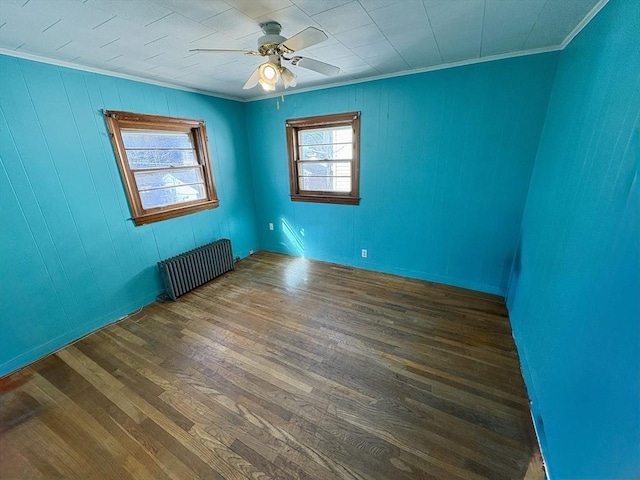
[[339, 199], [174, 212]]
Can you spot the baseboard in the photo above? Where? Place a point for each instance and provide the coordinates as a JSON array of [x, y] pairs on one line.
[[61, 341], [402, 272]]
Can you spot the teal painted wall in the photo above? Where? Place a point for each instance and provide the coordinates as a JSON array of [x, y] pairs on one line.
[[575, 293], [446, 158], [71, 259]]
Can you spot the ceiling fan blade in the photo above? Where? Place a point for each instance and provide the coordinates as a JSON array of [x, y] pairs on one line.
[[315, 65], [306, 38], [253, 79], [218, 50]]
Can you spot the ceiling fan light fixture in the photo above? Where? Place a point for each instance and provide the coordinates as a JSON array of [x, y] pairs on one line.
[[288, 77], [269, 87], [269, 73]]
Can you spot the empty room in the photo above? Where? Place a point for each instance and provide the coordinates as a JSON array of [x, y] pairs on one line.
[[320, 239]]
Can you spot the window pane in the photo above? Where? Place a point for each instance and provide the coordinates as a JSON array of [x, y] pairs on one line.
[[171, 195], [155, 139], [325, 184], [327, 152], [160, 158], [166, 178], [326, 135], [319, 169]]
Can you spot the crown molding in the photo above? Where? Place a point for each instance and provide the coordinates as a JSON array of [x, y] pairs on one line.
[[583, 23], [405, 73], [83, 68]]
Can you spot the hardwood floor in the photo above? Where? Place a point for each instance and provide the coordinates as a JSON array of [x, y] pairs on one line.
[[284, 368]]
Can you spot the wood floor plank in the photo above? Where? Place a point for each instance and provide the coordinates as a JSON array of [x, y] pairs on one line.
[[284, 368]]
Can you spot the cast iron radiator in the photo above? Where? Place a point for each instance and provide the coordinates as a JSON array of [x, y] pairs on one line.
[[184, 272]]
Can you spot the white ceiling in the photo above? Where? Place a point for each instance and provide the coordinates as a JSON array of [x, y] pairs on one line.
[[151, 39]]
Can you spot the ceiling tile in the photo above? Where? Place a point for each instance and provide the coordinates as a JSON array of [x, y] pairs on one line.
[[10, 7], [182, 27], [120, 27], [373, 50], [311, 7], [388, 64], [404, 19], [360, 36], [169, 72], [332, 52], [233, 23], [42, 12], [507, 25], [349, 62], [556, 20], [222, 41], [358, 71], [457, 27], [141, 13], [197, 10], [232, 73], [254, 9], [343, 18], [410, 34], [418, 53], [369, 5], [213, 63], [50, 24]]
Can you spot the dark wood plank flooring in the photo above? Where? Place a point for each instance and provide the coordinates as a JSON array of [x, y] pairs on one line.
[[284, 368]]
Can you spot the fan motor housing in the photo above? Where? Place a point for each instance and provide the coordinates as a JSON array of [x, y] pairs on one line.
[[271, 39]]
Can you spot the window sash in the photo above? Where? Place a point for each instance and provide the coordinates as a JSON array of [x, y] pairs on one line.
[[142, 212], [296, 130]]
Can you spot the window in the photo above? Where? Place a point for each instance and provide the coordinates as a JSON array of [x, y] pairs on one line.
[[324, 158], [164, 162]]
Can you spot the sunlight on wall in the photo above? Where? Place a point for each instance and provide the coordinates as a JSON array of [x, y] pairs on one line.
[[294, 244]]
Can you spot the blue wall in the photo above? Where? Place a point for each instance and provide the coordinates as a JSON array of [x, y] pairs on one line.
[[575, 293], [446, 158], [71, 259], [446, 163]]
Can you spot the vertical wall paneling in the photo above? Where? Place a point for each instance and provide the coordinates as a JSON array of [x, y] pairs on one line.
[[574, 296], [446, 158], [72, 260]]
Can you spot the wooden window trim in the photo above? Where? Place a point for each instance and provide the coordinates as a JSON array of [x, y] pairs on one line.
[[293, 126], [117, 120]]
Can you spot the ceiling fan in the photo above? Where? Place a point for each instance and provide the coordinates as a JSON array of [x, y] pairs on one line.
[[278, 48]]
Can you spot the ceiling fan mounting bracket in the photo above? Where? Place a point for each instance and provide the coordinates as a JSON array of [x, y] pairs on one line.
[[271, 28]]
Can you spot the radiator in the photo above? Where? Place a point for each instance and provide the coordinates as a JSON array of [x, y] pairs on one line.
[[184, 272]]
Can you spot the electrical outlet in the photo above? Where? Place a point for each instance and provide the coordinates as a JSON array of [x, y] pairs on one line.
[[270, 226], [364, 253]]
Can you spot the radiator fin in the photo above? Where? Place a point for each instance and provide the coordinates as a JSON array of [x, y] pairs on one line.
[[183, 273]]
